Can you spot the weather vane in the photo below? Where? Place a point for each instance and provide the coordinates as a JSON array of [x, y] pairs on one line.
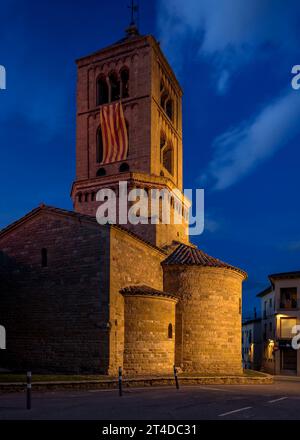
[[134, 12]]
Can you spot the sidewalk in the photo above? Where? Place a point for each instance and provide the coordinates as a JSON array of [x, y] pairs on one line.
[[279, 377], [138, 382]]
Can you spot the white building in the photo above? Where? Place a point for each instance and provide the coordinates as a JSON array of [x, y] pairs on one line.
[[280, 312], [251, 344]]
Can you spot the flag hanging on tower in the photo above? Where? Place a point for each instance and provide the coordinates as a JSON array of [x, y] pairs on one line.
[[114, 133]]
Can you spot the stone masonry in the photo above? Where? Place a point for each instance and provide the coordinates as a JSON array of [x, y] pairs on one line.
[[79, 297]]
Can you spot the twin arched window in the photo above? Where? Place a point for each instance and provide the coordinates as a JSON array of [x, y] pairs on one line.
[[114, 87], [114, 83], [166, 102], [124, 82], [167, 154], [168, 159], [102, 91]]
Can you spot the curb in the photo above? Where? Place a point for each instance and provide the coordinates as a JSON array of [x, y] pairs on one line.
[[137, 382]]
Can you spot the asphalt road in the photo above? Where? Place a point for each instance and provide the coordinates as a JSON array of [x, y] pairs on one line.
[[280, 401]]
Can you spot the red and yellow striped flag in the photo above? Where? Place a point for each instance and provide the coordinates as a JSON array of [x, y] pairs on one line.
[[114, 133]]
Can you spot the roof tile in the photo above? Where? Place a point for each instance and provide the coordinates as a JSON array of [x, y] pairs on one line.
[[191, 255]]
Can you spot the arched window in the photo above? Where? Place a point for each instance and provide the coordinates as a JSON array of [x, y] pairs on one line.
[[44, 257], [79, 198], [102, 91], [99, 146], [124, 82], [163, 140], [124, 168], [163, 100], [101, 172], [93, 196], [168, 159], [166, 102], [170, 331], [86, 197], [169, 108], [114, 87]]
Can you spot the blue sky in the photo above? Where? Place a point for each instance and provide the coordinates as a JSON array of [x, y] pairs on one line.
[[233, 59]]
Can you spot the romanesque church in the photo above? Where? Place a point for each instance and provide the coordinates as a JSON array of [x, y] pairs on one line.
[[76, 296]]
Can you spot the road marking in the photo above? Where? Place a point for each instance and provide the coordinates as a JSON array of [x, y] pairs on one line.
[[235, 411], [277, 400], [215, 389]]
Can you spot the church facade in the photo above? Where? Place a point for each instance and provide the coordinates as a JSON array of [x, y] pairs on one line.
[[77, 296]]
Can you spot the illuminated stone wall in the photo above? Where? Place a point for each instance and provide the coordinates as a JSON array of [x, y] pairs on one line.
[[208, 318], [148, 347], [132, 262]]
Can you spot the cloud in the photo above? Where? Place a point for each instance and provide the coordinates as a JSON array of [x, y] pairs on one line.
[[237, 151], [210, 223], [36, 82], [227, 32], [293, 246]]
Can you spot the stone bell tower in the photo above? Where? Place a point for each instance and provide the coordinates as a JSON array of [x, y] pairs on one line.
[[135, 72]]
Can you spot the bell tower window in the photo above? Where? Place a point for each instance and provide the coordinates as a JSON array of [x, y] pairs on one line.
[[166, 102], [162, 140], [102, 91], [163, 100], [99, 146], [167, 159], [114, 87], [124, 83], [169, 109]]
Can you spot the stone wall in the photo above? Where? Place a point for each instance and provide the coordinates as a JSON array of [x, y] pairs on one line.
[[56, 316], [148, 349], [208, 318], [132, 262], [147, 121], [136, 56]]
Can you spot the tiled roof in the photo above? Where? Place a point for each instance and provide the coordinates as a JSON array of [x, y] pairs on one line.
[[145, 290], [192, 256]]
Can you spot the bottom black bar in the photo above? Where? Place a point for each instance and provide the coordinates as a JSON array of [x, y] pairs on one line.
[[90, 430]]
